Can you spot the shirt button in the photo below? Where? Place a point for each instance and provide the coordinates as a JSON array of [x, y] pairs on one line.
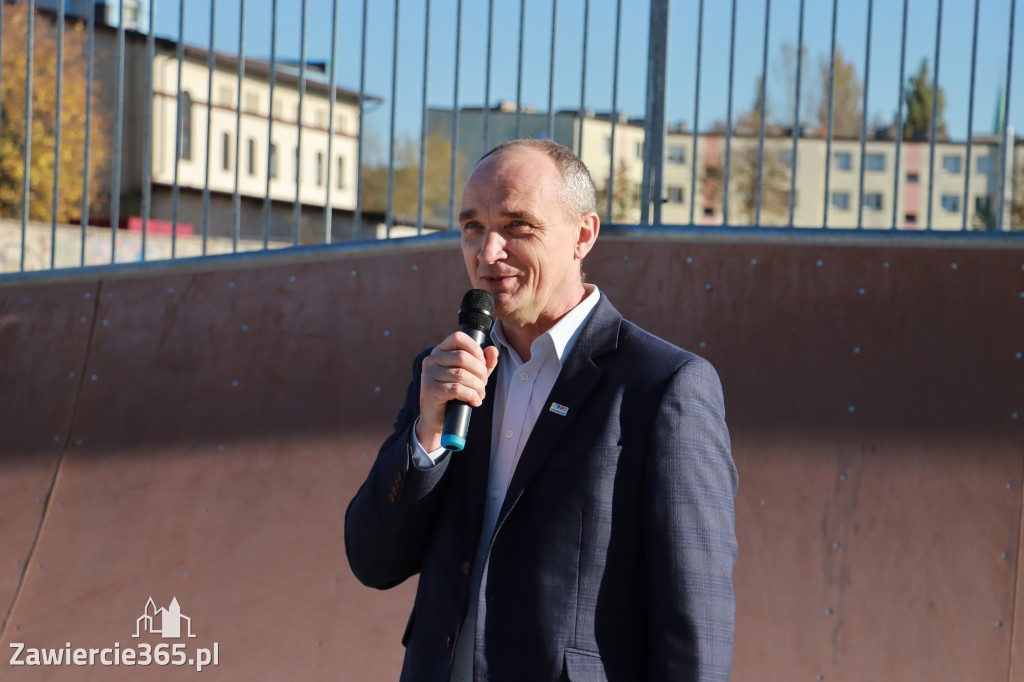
[[448, 642], [524, 376], [494, 494], [508, 434]]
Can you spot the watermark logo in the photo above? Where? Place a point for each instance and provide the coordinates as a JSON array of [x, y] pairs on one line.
[[170, 620], [169, 623]]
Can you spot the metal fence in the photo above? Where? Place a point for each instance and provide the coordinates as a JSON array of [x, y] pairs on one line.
[[133, 133]]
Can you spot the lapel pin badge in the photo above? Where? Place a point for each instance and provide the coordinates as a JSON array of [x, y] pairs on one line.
[[560, 410]]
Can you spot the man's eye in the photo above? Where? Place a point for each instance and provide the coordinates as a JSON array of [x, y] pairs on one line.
[[471, 226]]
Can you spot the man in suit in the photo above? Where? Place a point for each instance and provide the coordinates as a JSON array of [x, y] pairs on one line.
[[586, 531]]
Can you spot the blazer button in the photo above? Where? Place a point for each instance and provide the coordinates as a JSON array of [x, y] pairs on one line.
[[449, 642], [465, 568], [391, 498], [398, 476]]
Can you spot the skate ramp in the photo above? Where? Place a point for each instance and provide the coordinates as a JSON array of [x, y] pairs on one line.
[[197, 436]]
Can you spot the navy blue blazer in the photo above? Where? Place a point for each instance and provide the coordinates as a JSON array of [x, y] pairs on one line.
[[614, 551]]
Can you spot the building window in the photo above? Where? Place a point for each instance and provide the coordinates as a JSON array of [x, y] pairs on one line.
[[225, 95], [278, 107], [786, 157], [225, 152], [675, 195], [638, 150], [841, 201], [950, 203], [251, 143], [874, 162], [320, 116], [340, 123], [252, 101], [185, 104], [339, 180], [873, 201], [676, 155], [319, 169], [910, 218], [273, 160], [608, 145], [982, 204], [986, 165], [844, 161], [951, 164], [913, 177]]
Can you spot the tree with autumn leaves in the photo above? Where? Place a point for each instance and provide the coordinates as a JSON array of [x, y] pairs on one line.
[[46, 71]]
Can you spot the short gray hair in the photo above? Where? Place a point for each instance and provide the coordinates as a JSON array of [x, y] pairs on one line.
[[577, 185]]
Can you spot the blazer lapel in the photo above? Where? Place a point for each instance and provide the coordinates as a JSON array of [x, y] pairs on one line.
[[477, 455], [575, 382]]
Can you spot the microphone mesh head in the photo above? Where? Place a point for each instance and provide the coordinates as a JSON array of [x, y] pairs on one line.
[[477, 310]]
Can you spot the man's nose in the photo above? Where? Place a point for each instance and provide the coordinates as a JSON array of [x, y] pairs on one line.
[[492, 248]]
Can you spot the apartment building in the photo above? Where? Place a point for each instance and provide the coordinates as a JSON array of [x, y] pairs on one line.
[[694, 172]]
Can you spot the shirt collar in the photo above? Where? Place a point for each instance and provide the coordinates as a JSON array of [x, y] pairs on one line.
[[563, 334]]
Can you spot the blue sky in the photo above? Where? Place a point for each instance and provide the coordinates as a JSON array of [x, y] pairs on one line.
[[883, 70]]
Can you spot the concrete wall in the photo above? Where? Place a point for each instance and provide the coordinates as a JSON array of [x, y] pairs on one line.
[[198, 436]]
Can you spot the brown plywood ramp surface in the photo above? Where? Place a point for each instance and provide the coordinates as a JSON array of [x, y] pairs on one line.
[[218, 424]]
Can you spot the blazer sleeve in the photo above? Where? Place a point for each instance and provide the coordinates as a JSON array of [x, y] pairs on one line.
[[690, 489], [389, 522]]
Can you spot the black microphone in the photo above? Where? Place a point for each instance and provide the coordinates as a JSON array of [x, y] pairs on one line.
[[476, 317]]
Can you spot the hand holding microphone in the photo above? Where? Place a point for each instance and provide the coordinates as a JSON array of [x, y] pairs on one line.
[[454, 376]]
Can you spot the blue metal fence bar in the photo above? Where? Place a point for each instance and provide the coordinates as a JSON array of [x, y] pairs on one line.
[[178, 117], [297, 206], [210, 66], [487, 74], [935, 114], [421, 197], [796, 114], [27, 165], [583, 77], [390, 211], [728, 117], [760, 132], [551, 72], [655, 128], [56, 133], [1006, 148], [147, 144], [864, 118], [970, 115], [614, 116], [272, 157], [831, 113], [455, 117], [899, 120], [115, 191], [236, 197], [333, 84], [519, 70], [90, 51], [359, 134], [696, 112]]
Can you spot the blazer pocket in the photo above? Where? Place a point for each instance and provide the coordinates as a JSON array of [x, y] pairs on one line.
[[584, 666]]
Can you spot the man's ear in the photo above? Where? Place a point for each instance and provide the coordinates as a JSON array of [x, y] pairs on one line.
[[590, 225]]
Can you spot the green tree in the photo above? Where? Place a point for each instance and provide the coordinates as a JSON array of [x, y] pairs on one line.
[[775, 176], [918, 96], [847, 116], [407, 177], [625, 198], [71, 163]]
